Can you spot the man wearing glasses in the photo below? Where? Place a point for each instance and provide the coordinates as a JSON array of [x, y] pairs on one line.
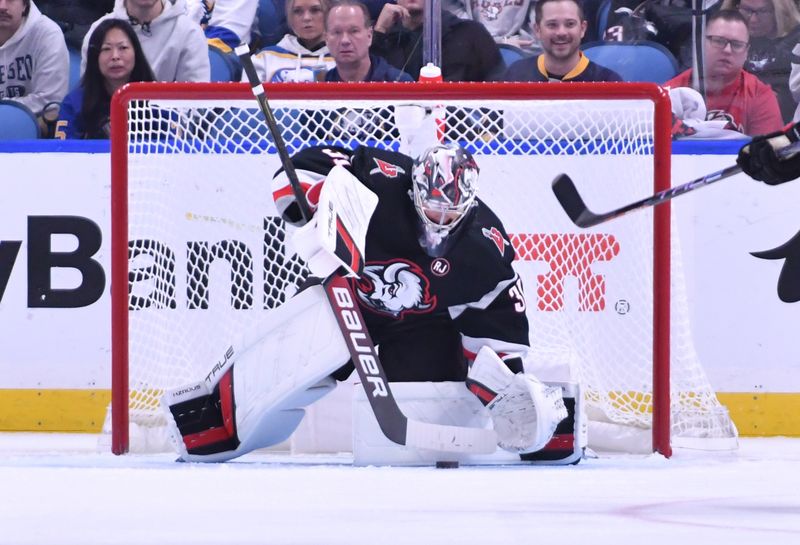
[[742, 100], [774, 31]]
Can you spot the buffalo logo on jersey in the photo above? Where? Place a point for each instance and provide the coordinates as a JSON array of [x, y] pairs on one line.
[[789, 279], [387, 169], [496, 236], [395, 288]]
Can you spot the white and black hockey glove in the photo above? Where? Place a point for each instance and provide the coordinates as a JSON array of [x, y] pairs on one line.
[[525, 413], [760, 159]]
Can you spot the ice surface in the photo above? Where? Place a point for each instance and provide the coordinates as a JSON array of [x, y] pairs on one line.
[[56, 489]]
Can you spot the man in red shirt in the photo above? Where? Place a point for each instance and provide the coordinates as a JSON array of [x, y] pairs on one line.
[[748, 104]]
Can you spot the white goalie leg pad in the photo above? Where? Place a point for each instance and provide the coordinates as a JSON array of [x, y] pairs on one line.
[[524, 412], [254, 396], [336, 236]]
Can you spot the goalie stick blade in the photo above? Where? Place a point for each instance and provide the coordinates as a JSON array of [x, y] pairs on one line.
[[572, 203]]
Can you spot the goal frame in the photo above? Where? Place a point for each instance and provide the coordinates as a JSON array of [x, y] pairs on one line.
[[444, 91]]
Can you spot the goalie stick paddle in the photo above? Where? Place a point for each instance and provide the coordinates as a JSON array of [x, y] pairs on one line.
[[572, 202], [393, 423]]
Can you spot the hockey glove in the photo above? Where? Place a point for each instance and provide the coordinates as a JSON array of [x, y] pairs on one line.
[[759, 159], [336, 236], [524, 412]]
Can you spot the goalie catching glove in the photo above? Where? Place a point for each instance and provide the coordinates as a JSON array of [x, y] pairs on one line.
[[761, 160], [525, 413]]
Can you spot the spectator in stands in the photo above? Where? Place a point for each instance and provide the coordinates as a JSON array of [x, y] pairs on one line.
[[225, 23], [507, 22], [174, 45], [348, 33], [560, 26], [668, 22], [75, 16], [774, 30], [302, 55], [747, 104], [469, 53], [34, 63], [114, 58]]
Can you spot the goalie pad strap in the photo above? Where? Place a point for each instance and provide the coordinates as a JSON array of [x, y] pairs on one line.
[[484, 394]]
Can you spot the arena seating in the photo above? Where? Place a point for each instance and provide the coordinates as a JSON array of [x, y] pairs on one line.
[[636, 61], [17, 122], [511, 53], [224, 66]]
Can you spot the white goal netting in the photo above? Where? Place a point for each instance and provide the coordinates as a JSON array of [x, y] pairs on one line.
[[207, 254]]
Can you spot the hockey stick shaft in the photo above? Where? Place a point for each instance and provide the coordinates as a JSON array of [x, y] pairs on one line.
[[573, 204], [580, 214], [391, 420], [243, 52]]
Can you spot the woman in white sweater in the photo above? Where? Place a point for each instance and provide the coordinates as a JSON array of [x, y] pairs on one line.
[[174, 45], [303, 54]]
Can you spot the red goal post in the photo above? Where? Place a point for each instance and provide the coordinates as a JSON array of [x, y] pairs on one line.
[[161, 132]]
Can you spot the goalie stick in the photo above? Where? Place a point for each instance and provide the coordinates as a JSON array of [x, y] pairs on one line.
[[572, 202], [391, 420]]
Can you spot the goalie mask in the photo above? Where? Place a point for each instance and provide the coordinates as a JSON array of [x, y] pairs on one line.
[[445, 185]]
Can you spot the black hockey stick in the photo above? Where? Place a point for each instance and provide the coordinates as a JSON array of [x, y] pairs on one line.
[[572, 202], [393, 423]]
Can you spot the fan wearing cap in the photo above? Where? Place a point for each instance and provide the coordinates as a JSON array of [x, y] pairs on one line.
[[438, 292]]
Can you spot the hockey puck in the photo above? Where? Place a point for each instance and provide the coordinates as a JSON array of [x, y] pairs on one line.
[[446, 465]]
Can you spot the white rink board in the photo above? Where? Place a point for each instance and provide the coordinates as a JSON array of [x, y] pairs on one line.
[[742, 332]]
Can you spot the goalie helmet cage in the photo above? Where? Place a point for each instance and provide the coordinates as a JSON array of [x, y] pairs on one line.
[[191, 205]]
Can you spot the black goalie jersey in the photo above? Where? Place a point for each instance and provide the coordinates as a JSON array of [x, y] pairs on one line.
[[423, 307]]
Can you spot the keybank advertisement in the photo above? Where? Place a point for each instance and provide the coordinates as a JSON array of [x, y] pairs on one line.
[[742, 309]]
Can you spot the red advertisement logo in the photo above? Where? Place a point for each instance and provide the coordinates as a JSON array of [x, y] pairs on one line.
[[568, 255]]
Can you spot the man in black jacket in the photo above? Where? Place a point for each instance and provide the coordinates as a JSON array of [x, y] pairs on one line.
[[560, 25], [348, 33], [469, 53]]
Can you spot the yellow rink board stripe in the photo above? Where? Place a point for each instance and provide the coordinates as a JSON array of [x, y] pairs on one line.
[[764, 414], [755, 414], [80, 411]]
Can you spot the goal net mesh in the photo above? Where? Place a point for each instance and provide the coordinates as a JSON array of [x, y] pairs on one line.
[[207, 254]]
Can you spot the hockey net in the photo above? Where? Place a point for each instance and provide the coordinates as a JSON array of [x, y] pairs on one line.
[[198, 245]]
